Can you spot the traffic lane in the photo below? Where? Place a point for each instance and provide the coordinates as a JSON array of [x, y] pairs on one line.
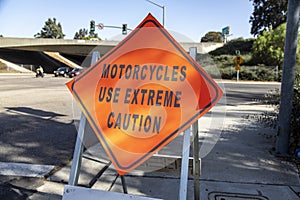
[[36, 121], [248, 92], [36, 117], [19, 82]]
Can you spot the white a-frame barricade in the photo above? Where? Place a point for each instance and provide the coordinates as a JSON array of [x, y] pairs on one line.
[[72, 191]]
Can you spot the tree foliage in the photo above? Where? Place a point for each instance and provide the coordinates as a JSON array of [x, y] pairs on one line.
[[51, 29], [243, 45], [268, 48], [81, 34], [212, 36], [267, 15]]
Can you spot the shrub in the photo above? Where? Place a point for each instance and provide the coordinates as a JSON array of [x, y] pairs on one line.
[[268, 48], [271, 118], [259, 73], [243, 45], [248, 75], [295, 127], [226, 67], [2, 66]]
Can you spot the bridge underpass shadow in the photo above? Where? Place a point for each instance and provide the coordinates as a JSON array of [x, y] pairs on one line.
[[34, 58]]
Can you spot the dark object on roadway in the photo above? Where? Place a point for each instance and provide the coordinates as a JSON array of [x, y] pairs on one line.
[[62, 71], [39, 73], [75, 72]]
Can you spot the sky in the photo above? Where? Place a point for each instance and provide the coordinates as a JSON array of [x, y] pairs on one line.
[[192, 18]]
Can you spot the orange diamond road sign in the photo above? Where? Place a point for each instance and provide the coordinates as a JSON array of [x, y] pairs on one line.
[[238, 60], [143, 93]]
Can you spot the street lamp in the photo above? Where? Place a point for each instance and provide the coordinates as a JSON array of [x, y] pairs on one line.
[[163, 7]]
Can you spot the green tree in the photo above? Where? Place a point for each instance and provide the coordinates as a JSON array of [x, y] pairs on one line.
[[212, 36], [51, 29], [267, 15], [268, 48], [81, 34]]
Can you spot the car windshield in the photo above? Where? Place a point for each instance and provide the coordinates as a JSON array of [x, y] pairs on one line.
[[62, 69]]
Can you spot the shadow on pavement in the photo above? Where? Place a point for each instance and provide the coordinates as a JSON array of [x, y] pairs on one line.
[[35, 136], [12, 193], [32, 136], [35, 112]]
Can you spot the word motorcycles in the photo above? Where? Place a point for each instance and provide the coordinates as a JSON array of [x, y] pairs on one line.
[[144, 72]]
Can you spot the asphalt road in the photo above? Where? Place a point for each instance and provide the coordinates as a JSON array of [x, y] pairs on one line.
[[36, 116], [36, 120], [247, 92]]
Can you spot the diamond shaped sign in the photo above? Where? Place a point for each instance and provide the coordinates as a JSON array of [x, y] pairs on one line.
[[143, 93]]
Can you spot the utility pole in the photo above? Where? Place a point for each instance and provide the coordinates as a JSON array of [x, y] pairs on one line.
[[288, 76], [162, 7]]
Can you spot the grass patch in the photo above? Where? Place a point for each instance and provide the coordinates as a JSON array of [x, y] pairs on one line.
[[222, 66], [5, 69]]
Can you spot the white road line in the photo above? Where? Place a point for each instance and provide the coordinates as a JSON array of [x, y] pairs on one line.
[[24, 169]]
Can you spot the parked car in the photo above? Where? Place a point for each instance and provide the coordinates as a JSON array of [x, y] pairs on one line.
[[75, 72], [62, 71]]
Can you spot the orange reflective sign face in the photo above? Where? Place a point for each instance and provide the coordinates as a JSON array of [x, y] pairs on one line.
[[143, 93]]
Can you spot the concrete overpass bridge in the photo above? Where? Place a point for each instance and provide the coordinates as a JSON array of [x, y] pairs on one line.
[[67, 51], [64, 46]]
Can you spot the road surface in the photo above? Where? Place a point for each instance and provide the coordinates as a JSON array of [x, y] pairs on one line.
[[36, 116]]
